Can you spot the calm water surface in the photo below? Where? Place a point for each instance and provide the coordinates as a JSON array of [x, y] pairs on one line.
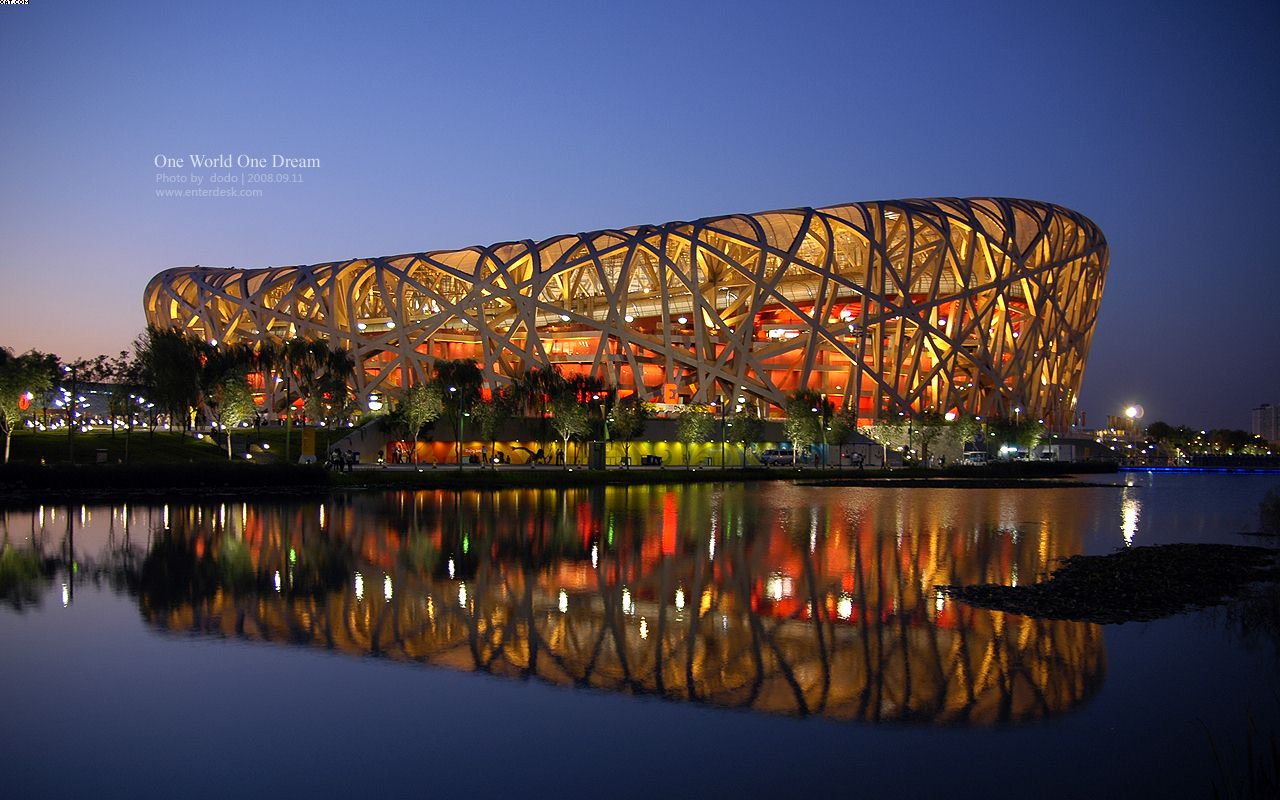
[[765, 640]]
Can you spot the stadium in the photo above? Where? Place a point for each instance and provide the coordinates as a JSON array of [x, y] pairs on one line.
[[977, 306]]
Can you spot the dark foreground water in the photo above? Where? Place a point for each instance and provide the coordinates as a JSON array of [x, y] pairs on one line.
[[700, 640]]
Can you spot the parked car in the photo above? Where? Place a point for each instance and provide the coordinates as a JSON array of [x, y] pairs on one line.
[[771, 458], [974, 457]]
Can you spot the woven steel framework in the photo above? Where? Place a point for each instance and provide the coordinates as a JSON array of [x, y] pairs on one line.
[[974, 305]]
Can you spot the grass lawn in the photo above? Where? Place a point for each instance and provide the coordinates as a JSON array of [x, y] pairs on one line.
[[31, 447]]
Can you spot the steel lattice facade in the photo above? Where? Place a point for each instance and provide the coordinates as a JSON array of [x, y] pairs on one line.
[[972, 305]]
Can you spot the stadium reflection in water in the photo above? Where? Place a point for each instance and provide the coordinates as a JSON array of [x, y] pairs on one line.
[[788, 600]]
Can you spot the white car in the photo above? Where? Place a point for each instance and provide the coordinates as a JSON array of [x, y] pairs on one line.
[[775, 458]]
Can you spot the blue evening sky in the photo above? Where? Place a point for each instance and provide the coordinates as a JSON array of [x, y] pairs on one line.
[[451, 124]]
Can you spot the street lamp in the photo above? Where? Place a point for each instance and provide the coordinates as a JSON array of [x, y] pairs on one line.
[[72, 405], [453, 390], [724, 407]]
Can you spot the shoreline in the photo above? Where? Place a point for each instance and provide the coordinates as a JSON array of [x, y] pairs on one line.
[[26, 485]]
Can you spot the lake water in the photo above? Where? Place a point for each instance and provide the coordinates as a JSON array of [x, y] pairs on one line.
[[703, 639]]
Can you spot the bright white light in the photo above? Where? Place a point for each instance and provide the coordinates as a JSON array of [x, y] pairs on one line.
[[595, 555], [66, 595], [277, 580], [359, 586], [844, 607], [361, 326], [563, 603], [644, 628], [564, 317], [626, 601], [451, 568], [778, 587], [682, 320], [462, 595], [390, 325], [386, 587], [680, 599], [950, 416], [629, 318]]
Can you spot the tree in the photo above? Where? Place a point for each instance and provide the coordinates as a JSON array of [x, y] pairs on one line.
[[890, 433], [421, 405], [695, 425], [123, 371], [806, 411], [627, 422], [224, 386], [169, 363], [460, 381], [489, 414], [232, 402], [1022, 434], [22, 378], [841, 426], [747, 428], [322, 375], [929, 426], [338, 399], [570, 418], [532, 392], [1159, 431]]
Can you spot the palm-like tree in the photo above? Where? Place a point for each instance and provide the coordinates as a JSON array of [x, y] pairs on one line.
[[533, 391], [459, 381]]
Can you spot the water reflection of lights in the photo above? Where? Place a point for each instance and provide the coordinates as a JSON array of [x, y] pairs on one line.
[[779, 587], [779, 574], [1130, 511], [66, 595]]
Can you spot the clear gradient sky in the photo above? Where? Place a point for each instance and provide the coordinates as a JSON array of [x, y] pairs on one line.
[[442, 125]]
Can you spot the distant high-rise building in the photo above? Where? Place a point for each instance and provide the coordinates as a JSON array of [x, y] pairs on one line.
[[1266, 422]]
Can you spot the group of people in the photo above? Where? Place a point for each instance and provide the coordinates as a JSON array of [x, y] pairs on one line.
[[340, 462]]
